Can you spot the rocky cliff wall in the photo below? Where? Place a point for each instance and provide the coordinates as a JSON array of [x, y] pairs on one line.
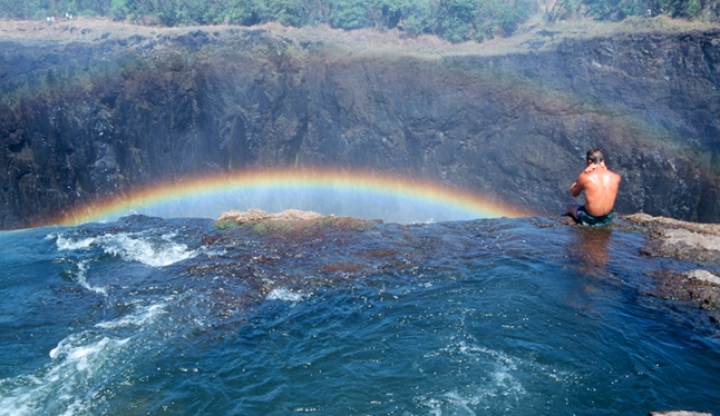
[[94, 117]]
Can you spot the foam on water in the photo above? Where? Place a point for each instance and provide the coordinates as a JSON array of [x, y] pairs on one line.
[[146, 252], [83, 267], [137, 247], [494, 378], [458, 402], [502, 372], [73, 381], [286, 295], [139, 319], [64, 243], [68, 383]]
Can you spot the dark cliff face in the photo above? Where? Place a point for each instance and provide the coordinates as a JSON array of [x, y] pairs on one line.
[[81, 121]]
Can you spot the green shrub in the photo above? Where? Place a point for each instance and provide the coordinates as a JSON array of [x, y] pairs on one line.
[[620, 9], [693, 8], [349, 14], [287, 12], [118, 9], [416, 20]]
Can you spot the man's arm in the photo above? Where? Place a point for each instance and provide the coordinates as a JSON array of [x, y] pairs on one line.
[[576, 187]]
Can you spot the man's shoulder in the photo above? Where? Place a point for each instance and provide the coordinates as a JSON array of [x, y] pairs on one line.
[[591, 174], [585, 177], [614, 175]]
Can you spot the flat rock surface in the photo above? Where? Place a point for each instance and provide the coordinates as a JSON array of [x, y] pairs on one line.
[[289, 220], [695, 243], [682, 240], [260, 215]]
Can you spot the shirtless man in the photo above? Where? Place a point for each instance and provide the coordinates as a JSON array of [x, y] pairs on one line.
[[601, 188]]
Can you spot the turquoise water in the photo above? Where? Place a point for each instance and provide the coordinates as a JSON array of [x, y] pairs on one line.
[[487, 317]]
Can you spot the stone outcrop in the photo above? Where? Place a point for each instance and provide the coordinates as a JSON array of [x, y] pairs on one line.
[[96, 111], [289, 220], [252, 215], [696, 244], [683, 240]]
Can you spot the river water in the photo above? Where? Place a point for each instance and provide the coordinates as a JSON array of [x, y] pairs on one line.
[[486, 317]]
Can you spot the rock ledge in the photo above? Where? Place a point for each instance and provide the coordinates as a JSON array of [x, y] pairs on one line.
[[686, 241], [289, 220]]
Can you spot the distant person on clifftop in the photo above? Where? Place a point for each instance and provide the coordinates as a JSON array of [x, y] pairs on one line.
[[600, 186]]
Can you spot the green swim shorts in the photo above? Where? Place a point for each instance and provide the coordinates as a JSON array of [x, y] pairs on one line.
[[591, 221]]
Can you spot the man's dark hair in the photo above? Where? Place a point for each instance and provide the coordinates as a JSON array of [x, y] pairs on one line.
[[595, 155]]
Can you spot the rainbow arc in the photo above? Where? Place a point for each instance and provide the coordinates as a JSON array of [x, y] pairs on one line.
[[359, 193]]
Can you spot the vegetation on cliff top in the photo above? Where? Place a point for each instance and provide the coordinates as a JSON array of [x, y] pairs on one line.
[[454, 20]]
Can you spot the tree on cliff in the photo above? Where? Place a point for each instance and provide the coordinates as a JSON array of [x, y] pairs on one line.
[[614, 10], [455, 20]]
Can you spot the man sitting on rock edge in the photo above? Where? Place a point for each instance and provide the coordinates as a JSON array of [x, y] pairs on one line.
[[600, 186]]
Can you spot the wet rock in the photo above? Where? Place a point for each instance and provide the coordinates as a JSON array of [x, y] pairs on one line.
[[704, 276], [689, 242], [682, 240], [566, 220], [687, 287], [287, 221], [678, 413], [250, 215]]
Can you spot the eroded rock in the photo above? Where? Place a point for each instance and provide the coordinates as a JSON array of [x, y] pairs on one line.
[[255, 214], [682, 240], [286, 221], [685, 241], [687, 287]]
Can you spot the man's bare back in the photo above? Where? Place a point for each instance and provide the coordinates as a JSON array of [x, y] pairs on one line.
[[599, 184]]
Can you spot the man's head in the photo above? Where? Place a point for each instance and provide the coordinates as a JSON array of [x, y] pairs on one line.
[[595, 156]]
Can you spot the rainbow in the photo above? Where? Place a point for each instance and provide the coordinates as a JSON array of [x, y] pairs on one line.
[[310, 189]]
